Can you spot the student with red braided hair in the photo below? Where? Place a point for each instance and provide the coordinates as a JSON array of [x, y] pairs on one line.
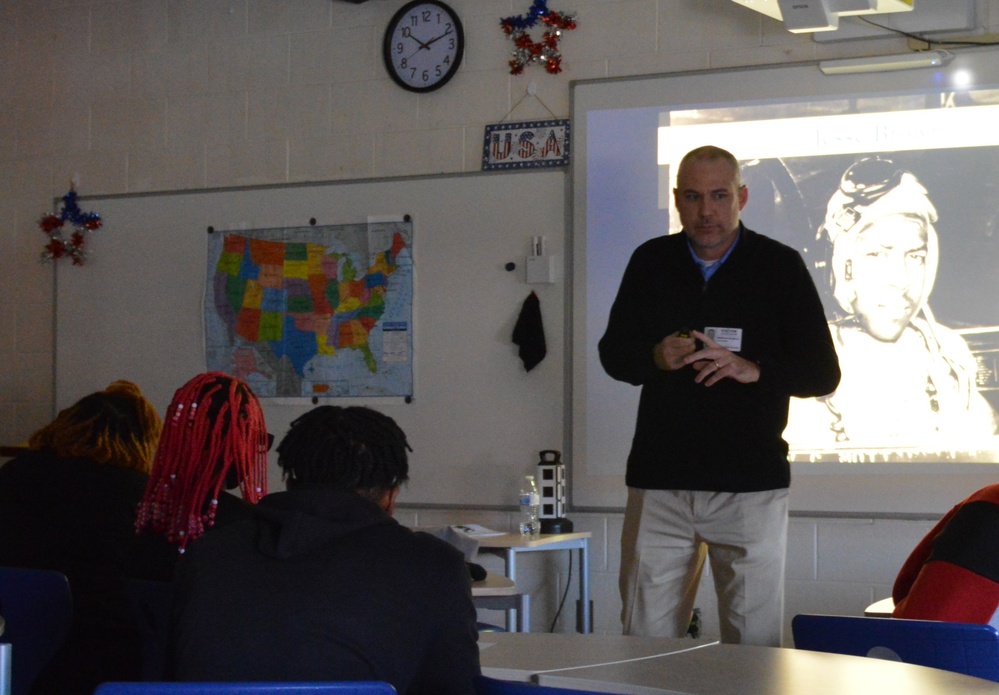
[[337, 589], [68, 504], [214, 439]]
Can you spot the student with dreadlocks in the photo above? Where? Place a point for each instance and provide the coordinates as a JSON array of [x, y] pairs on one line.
[[214, 437], [68, 504], [338, 589]]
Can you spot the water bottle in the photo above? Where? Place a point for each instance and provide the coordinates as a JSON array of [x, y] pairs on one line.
[[530, 501]]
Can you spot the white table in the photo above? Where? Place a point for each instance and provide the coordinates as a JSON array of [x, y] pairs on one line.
[[617, 664], [519, 657], [509, 545], [880, 609], [497, 592]]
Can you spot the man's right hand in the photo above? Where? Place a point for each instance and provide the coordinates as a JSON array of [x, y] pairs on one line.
[[671, 350]]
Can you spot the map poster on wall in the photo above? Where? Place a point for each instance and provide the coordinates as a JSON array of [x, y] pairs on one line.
[[319, 311]]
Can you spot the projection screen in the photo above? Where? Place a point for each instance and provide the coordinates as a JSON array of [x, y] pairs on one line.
[[888, 185]]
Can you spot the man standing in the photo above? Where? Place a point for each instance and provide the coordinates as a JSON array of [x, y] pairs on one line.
[[708, 473], [323, 585]]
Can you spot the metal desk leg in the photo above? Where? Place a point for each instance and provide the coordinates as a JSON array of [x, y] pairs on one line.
[[584, 617], [524, 614], [519, 603], [5, 671], [511, 572]]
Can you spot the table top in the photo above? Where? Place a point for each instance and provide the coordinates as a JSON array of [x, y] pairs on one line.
[[518, 656], [880, 609], [516, 540], [615, 664], [494, 585]]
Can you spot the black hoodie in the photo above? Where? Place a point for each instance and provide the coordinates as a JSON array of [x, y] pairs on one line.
[[324, 585]]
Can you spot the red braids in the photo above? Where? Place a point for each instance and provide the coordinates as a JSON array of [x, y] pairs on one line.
[[213, 430]]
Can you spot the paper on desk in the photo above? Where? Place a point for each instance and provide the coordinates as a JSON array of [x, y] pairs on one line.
[[476, 530], [467, 544]]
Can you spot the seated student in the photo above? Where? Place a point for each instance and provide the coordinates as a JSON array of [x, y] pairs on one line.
[[213, 437], [68, 505], [953, 574], [323, 584]]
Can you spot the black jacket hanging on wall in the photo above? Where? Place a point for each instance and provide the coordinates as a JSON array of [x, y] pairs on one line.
[[529, 333]]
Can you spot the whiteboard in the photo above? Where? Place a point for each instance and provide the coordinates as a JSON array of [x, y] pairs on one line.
[[477, 420], [629, 131]]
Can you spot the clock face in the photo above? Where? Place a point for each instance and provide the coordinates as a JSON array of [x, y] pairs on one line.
[[423, 45]]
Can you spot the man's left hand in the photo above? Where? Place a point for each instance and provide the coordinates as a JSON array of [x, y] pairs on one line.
[[714, 363]]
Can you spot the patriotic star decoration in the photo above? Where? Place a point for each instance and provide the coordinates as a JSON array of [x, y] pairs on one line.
[[526, 50], [82, 223]]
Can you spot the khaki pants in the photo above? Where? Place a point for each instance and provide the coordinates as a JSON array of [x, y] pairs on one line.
[[666, 537]]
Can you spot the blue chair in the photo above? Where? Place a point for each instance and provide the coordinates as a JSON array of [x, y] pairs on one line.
[[37, 608], [961, 647], [484, 685], [304, 688]]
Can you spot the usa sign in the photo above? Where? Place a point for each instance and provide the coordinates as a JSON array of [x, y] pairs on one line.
[[525, 145]]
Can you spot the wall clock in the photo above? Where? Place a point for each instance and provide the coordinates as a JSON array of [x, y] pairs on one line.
[[423, 45]]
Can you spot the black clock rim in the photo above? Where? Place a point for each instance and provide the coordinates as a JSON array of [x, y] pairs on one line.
[[387, 43]]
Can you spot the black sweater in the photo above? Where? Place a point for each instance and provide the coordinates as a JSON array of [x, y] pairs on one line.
[[77, 517], [726, 437], [323, 585]]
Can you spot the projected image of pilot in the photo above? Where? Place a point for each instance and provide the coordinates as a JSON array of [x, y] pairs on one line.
[[908, 381]]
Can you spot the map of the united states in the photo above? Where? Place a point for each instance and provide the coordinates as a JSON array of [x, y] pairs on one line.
[[302, 304]]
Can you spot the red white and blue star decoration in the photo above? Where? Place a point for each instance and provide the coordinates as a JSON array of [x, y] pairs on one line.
[[526, 50], [82, 224]]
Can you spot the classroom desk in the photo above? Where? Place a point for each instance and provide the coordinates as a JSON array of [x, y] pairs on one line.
[[707, 668], [518, 657], [880, 609], [497, 592], [509, 545]]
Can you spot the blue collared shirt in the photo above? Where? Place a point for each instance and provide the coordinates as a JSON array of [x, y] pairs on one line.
[[708, 270]]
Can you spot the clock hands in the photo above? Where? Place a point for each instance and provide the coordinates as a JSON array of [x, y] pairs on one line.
[[427, 44], [436, 38], [422, 45]]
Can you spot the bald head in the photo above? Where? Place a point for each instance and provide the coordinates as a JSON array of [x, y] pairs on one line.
[[710, 153]]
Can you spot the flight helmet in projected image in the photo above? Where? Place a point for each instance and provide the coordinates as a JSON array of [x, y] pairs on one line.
[[877, 197]]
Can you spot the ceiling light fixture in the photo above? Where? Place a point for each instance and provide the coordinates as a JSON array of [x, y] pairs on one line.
[[905, 61]]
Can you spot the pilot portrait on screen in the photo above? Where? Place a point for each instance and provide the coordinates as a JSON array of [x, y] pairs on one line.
[[908, 381]]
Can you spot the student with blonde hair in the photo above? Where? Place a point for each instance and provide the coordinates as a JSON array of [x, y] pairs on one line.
[[68, 504]]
